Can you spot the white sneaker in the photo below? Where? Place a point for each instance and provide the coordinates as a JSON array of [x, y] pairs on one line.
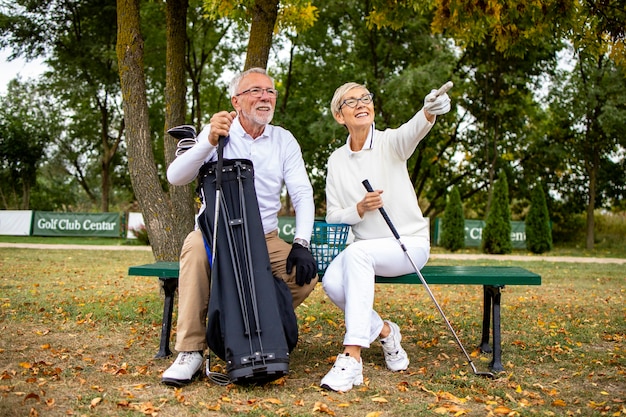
[[345, 373], [395, 357], [184, 369]]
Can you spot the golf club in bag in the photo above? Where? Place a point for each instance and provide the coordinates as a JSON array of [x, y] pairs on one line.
[[247, 304], [369, 188]]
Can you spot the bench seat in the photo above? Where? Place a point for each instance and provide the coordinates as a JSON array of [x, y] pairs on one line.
[[492, 278]]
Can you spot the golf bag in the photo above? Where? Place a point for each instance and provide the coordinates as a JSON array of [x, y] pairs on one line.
[[247, 304]]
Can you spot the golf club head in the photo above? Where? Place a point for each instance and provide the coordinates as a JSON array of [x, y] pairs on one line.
[[485, 374], [183, 132]]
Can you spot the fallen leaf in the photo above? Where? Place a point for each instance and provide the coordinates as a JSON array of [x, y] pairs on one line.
[[322, 408], [94, 403], [273, 401], [31, 396], [214, 407]]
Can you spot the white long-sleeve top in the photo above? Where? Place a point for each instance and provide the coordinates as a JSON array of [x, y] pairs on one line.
[[277, 160], [382, 161]]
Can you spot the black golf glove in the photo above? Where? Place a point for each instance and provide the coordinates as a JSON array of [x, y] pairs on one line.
[[301, 258]]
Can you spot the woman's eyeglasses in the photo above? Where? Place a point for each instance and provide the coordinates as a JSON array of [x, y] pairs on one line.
[[258, 92], [352, 102]]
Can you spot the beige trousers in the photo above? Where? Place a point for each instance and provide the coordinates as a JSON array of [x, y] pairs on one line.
[[194, 285]]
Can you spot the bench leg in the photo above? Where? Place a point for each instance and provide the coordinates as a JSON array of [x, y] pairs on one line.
[[496, 362], [169, 288], [487, 302]]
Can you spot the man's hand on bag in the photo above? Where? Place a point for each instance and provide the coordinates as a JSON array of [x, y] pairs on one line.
[[301, 258]]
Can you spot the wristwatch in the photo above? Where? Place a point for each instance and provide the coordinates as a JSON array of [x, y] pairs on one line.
[[301, 242]]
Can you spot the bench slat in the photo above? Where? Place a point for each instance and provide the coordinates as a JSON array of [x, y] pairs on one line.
[[463, 275], [158, 269], [468, 275]]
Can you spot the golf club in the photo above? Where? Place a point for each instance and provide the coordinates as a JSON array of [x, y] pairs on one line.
[[369, 188], [183, 132], [218, 200]]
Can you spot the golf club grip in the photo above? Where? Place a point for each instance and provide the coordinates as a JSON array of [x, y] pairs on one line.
[[369, 188], [220, 161]]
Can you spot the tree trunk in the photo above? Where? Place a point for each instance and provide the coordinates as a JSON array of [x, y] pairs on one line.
[[25, 196], [106, 184], [105, 159], [175, 110], [109, 150], [154, 202], [260, 41], [591, 205]]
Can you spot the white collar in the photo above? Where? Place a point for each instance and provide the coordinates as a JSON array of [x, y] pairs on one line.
[[368, 145]]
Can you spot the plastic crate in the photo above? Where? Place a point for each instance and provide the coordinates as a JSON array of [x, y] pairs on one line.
[[327, 240]]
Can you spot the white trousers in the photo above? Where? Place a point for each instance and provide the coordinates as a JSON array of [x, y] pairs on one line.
[[349, 281]]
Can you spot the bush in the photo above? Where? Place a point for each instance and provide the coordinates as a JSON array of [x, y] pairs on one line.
[[538, 232], [497, 230], [453, 228], [142, 235]]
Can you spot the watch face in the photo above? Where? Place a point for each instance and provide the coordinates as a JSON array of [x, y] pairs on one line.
[[301, 242]]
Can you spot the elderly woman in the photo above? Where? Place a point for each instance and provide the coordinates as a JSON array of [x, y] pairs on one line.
[[380, 157]]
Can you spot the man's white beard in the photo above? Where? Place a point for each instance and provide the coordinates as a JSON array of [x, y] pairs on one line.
[[261, 119]]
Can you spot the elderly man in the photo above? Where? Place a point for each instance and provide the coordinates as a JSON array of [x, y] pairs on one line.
[[278, 162]]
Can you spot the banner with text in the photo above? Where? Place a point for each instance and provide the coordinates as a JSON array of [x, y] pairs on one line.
[[474, 233], [47, 223]]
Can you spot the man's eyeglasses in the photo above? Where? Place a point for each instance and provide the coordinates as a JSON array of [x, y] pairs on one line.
[[352, 102], [258, 92]]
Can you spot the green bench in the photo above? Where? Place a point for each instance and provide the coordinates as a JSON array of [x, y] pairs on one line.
[[492, 278]]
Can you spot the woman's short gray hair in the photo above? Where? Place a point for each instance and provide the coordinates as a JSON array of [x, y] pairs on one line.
[[335, 103], [234, 83]]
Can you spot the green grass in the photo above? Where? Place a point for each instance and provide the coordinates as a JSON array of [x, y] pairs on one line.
[[604, 248], [78, 337], [69, 240]]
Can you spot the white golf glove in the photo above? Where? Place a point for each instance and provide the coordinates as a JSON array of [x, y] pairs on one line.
[[437, 105]]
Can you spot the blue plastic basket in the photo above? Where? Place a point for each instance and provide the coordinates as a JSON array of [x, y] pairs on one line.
[[327, 240]]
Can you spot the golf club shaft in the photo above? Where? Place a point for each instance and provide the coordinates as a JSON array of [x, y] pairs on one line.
[[218, 190], [369, 188]]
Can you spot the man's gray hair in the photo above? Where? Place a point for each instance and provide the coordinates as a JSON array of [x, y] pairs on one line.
[[234, 84], [335, 103]]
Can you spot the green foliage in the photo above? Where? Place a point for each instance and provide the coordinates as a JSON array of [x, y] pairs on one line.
[[390, 46], [25, 130], [297, 15], [453, 233], [142, 235], [512, 27], [496, 237], [538, 230]]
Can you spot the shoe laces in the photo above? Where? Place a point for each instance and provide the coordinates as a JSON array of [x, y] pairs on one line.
[[390, 346], [185, 358], [342, 363]]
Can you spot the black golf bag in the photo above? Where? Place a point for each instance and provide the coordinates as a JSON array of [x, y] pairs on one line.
[[251, 322]]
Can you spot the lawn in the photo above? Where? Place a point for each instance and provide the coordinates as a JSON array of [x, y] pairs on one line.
[[79, 338]]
